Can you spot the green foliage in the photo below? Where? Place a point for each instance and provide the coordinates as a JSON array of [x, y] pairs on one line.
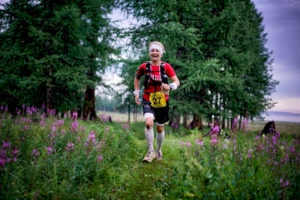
[[217, 49], [51, 51]]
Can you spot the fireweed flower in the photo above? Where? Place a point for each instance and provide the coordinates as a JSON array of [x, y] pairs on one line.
[[250, 153], [106, 129], [2, 162], [292, 149], [216, 129], [199, 142], [60, 123], [49, 149], [188, 144], [42, 122], [103, 118], [91, 139], [70, 146], [125, 127], [6, 145], [214, 140], [74, 127], [234, 123], [35, 153], [234, 141], [173, 124], [99, 158], [244, 124], [181, 143], [74, 116], [15, 152]]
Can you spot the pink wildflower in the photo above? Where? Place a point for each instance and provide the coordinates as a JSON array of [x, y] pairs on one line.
[[74, 127], [91, 138], [26, 127], [2, 162], [60, 122], [35, 153], [125, 127], [74, 116], [199, 142], [6, 145], [99, 158], [70, 146], [250, 153], [214, 141], [49, 149]]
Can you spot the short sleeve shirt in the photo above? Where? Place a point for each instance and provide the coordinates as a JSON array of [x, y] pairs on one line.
[[156, 76]]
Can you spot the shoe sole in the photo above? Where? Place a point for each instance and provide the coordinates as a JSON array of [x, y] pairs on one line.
[[149, 161]]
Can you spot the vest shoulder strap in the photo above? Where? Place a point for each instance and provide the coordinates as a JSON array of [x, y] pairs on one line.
[[148, 67]]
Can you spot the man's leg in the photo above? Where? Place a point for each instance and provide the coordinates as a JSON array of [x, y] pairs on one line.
[[149, 134], [159, 137]]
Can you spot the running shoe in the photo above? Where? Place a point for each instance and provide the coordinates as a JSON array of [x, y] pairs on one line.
[[150, 156], [159, 155]]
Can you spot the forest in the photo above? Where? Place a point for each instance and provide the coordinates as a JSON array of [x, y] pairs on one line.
[[53, 54]]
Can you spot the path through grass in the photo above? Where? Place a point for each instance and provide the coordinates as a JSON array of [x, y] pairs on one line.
[[147, 178]]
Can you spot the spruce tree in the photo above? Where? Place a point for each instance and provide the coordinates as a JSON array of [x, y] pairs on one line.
[[51, 51], [217, 49]]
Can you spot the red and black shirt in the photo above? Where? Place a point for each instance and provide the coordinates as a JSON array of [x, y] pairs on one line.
[[155, 74]]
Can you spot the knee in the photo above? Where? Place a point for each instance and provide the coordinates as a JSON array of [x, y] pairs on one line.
[[149, 123], [159, 129]]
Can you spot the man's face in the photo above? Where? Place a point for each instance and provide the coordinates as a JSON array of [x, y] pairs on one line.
[[155, 55]]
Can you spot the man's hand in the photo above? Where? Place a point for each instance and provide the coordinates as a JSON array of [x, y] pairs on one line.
[[165, 87], [137, 101], [136, 94]]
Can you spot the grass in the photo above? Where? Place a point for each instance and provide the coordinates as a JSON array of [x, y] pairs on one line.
[[254, 126], [188, 170]]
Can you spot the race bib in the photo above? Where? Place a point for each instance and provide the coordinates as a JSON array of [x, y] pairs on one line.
[[157, 100]]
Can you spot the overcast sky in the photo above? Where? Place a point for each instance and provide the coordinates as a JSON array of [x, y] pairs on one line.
[[282, 24]]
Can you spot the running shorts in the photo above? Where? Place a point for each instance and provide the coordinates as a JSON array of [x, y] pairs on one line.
[[161, 115]]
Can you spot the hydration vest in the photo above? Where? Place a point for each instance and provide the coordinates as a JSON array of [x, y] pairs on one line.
[[161, 78]]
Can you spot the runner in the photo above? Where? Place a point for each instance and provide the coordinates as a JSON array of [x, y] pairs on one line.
[[155, 97]]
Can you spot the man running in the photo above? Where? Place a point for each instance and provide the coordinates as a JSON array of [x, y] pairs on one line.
[[155, 97]]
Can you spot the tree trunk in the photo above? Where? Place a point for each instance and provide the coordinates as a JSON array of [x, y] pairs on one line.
[[89, 111], [185, 123], [129, 111], [177, 118], [240, 122], [223, 122], [48, 104], [228, 123]]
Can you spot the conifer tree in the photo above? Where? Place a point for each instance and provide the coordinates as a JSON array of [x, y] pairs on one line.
[[51, 51], [217, 49]]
